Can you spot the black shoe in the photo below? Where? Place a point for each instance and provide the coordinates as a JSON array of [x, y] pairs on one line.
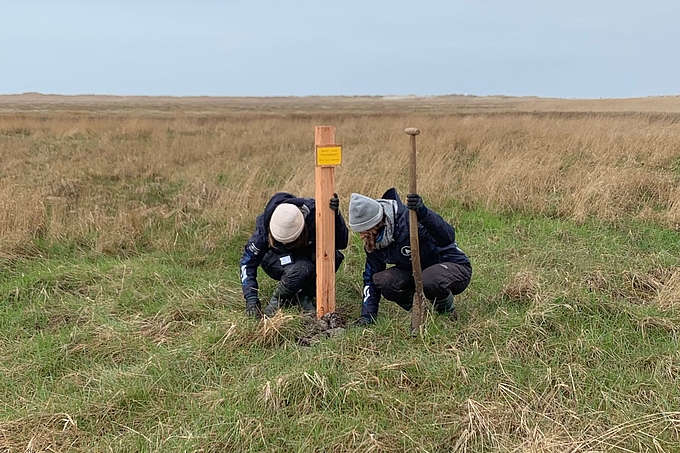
[[308, 304], [446, 307], [280, 298], [272, 307], [362, 321]]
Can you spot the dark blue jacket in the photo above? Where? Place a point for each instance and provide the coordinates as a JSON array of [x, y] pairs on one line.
[[258, 244], [436, 240]]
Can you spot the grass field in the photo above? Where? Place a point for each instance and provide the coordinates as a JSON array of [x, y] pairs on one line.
[[122, 323]]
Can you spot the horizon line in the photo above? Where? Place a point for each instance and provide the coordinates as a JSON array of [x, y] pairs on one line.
[[393, 96]]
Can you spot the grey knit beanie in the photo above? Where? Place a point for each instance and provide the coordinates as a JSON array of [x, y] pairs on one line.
[[364, 213]]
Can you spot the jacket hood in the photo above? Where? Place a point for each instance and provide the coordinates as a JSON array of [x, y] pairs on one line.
[[391, 194]]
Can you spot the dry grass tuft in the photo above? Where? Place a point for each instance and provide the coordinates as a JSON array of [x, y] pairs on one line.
[[282, 329], [598, 280], [164, 328], [277, 330], [646, 287], [669, 294], [39, 433], [660, 324], [533, 421], [523, 288]]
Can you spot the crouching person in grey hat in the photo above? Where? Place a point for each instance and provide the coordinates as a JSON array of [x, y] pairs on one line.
[[383, 225], [284, 245]]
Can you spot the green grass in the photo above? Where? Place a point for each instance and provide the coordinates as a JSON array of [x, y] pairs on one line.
[[561, 346]]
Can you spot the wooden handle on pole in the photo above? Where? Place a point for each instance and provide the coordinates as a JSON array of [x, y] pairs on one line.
[[418, 310]]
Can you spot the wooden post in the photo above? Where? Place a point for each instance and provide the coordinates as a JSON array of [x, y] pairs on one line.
[[328, 154]]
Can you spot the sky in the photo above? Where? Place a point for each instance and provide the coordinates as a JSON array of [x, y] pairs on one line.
[[547, 48]]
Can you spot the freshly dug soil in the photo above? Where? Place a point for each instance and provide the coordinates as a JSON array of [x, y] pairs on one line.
[[329, 325]]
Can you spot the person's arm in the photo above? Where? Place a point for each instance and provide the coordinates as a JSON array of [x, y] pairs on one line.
[[253, 252], [371, 294], [441, 232], [341, 231]]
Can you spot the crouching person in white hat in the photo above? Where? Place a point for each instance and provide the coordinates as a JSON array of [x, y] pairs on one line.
[[284, 245], [383, 225]]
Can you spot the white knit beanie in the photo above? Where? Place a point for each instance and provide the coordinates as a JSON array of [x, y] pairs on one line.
[[364, 213], [286, 223]]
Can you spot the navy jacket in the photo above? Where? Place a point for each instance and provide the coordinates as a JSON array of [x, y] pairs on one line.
[[436, 240], [258, 244]]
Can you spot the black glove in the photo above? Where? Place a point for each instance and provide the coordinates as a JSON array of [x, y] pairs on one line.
[[415, 202], [335, 203], [253, 307], [363, 321]]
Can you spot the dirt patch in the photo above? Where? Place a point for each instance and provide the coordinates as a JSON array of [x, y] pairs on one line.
[[329, 325]]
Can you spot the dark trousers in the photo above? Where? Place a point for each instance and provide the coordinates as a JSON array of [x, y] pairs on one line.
[[298, 275], [398, 285]]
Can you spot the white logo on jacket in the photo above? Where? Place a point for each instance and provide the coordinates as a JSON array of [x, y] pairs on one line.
[[406, 250]]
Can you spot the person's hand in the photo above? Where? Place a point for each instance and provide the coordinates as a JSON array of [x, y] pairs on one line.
[[415, 202], [253, 307], [362, 321], [335, 203]]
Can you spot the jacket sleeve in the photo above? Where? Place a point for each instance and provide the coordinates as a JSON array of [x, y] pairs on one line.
[[371, 298], [253, 252], [441, 231], [341, 232]]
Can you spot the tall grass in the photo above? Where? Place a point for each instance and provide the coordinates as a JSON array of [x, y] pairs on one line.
[[109, 179]]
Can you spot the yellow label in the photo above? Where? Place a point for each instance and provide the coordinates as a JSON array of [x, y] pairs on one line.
[[328, 156]]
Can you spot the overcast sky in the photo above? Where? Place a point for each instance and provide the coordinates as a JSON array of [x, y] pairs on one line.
[[550, 48]]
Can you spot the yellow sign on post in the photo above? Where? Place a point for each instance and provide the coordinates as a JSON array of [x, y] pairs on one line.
[[328, 156]]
